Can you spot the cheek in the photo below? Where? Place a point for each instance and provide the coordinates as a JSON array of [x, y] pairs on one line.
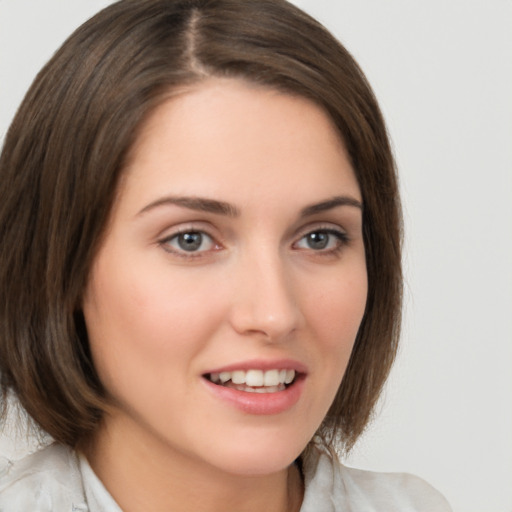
[[335, 314], [336, 311], [146, 319], [176, 310]]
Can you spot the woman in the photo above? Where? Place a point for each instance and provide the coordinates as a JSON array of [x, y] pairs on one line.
[[200, 255]]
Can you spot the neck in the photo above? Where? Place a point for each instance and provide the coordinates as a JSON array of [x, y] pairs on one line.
[[145, 475]]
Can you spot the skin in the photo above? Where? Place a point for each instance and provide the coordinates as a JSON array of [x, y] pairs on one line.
[[159, 316]]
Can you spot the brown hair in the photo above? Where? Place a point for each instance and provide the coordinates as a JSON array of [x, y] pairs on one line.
[[67, 147]]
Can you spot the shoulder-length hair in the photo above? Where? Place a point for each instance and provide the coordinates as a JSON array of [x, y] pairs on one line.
[[66, 150]]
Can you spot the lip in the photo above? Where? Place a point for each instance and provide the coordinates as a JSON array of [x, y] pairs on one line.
[[261, 364], [260, 403]]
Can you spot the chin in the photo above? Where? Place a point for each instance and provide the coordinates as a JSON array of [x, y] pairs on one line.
[[258, 458]]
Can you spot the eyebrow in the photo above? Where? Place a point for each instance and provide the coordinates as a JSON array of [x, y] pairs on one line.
[[195, 203], [222, 208], [334, 202]]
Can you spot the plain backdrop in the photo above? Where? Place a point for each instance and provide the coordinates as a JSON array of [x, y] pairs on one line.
[[442, 71]]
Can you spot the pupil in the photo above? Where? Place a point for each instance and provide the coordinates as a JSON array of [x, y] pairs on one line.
[[318, 240], [190, 241]]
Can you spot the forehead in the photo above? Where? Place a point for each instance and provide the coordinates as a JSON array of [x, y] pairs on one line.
[[229, 137]]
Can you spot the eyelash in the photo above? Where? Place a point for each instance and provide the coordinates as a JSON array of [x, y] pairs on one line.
[[341, 240], [165, 243]]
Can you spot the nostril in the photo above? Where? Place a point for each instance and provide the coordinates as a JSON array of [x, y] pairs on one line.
[[265, 306]]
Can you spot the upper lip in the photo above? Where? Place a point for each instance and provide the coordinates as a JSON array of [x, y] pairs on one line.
[[261, 364]]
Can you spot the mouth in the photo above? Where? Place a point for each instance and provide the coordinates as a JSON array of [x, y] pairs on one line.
[[258, 387], [255, 380]]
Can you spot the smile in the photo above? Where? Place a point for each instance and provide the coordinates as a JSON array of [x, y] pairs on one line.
[[253, 380], [258, 387]]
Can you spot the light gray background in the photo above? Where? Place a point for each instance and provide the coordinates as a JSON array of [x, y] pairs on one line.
[[442, 71]]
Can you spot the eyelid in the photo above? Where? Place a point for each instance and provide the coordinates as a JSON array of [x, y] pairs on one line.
[[320, 226], [169, 235], [332, 229]]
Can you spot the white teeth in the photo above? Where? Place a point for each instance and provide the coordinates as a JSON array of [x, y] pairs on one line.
[[238, 377], [290, 375], [271, 378], [223, 376], [255, 378], [269, 389]]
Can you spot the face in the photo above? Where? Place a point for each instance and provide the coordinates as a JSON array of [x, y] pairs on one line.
[[224, 301]]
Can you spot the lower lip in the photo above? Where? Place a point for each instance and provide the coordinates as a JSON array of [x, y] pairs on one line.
[[259, 403]]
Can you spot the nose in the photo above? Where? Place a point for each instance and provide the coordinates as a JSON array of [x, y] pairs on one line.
[[264, 303]]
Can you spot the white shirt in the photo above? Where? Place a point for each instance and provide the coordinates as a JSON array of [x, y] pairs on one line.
[[56, 479]]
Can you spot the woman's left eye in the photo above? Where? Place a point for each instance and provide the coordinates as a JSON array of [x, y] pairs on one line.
[[189, 242], [322, 240]]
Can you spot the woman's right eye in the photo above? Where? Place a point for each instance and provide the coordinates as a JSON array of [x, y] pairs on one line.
[[191, 242]]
